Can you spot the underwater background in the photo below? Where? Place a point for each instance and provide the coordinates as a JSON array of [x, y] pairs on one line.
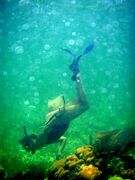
[[33, 69]]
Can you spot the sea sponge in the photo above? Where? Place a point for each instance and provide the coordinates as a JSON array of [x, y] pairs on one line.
[[89, 172]]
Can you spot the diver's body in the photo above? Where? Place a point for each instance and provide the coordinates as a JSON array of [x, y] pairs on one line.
[[59, 117], [56, 126]]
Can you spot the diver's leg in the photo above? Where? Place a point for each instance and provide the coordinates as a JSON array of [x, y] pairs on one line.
[[62, 141], [76, 107], [81, 96]]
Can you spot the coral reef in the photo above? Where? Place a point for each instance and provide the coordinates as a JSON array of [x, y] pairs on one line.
[[109, 158], [76, 166]]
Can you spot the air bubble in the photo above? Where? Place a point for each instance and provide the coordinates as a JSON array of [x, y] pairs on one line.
[[31, 78], [25, 26], [108, 27], [93, 91], [67, 24], [73, 33], [93, 24], [19, 50], [109, 107], [64, 74], [36, 94], [5, 73], [109, 50], [26, 102], [79, 42], [73, 2], [71, 42], [108, 73], [103, 90], [112, 96], [116, 85], [46, 46]]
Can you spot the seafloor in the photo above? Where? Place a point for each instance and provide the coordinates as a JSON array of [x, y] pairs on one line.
[[110, 157]]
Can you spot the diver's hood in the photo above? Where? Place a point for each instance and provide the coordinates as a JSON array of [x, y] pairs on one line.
[[56, 104]]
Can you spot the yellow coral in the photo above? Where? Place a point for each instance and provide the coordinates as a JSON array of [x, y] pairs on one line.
[[58, 164], [84, 152], [71, 157], [61, 172], [89, 159], [83, 149], [73, 161], [72, 164], [89, 172]]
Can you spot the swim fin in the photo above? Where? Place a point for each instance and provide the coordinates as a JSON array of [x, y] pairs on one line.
[[74, 66], [68, 51], [88, 48]]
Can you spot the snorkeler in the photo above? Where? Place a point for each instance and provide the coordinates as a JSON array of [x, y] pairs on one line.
[[60, 113]]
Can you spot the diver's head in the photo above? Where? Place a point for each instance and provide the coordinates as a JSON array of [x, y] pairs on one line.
[[28, 142]]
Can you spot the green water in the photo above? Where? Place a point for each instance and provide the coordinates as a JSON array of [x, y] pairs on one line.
[[33, 68]]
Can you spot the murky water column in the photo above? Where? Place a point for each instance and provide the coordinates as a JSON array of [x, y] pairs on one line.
[[33, 68]]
